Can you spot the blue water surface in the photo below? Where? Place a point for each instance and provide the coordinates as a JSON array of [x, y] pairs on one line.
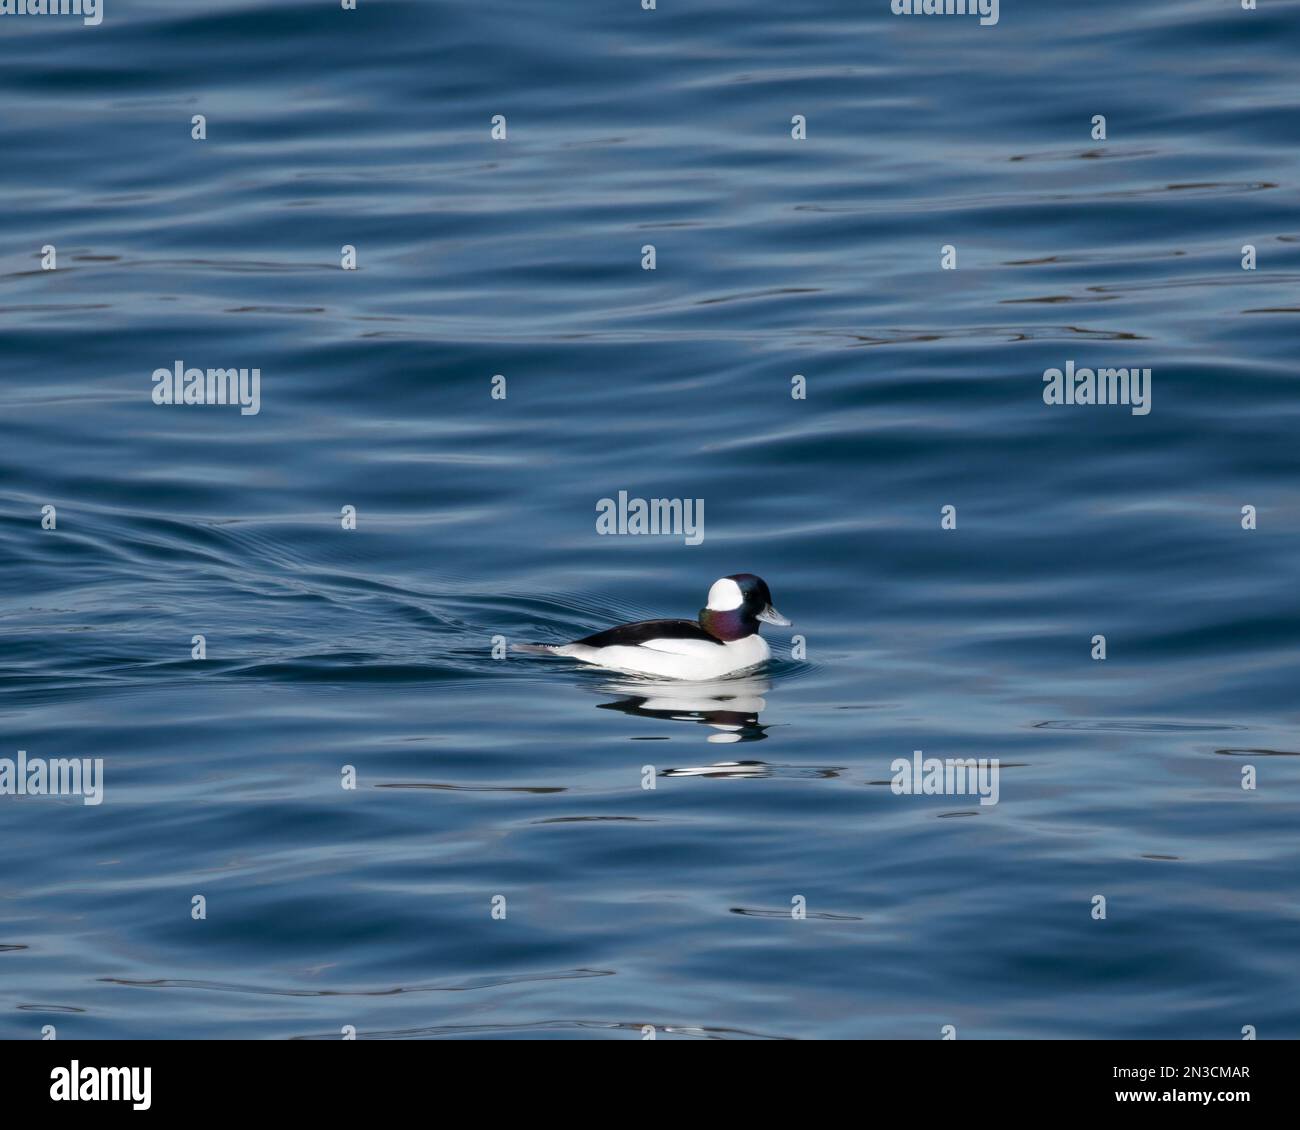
[[482, 779]]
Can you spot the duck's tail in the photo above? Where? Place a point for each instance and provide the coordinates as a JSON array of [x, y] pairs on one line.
[[542, 648]]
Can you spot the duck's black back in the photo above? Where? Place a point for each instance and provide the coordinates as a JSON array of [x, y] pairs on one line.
[[629, 635]]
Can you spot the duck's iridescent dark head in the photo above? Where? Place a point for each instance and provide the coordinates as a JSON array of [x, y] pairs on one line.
[[735, 606]]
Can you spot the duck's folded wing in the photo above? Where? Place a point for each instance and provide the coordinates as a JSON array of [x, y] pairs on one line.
[[703, 648]]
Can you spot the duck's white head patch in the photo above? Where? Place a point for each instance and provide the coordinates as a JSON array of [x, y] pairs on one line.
[[725, 595]]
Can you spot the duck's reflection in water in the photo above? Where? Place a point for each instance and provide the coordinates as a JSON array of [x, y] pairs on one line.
[[728, 770], [729, 706]]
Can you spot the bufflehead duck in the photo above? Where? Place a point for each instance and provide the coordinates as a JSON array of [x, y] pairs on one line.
[[723, 641]]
